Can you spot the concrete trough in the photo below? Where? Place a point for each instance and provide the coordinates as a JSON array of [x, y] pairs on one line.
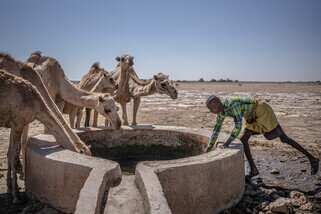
[[173, 175]]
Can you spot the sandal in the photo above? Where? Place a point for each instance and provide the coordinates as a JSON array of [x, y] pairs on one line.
[[314, 166]]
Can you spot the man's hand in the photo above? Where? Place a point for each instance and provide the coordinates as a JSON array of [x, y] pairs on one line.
[[208, 149], [224, 145]]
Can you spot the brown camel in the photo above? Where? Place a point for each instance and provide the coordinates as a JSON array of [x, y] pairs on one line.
[[62, 89], [136, 88], [17, 113], [131, 87], [98, 81], [124, 67], [9, 64]]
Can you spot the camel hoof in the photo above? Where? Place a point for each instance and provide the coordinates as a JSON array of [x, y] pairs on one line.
[[134, 124], [125, 123]]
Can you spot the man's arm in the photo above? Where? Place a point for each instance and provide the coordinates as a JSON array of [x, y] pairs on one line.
[[237, 116], [216, 131]]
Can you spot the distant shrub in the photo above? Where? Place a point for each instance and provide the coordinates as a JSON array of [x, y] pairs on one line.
[[201, 80], [213, 80]]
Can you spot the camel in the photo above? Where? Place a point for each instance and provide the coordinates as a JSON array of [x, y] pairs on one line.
[[17, 113], [124, 67], [12, 66], [131, 87], [62, 89], [136, 88], [89, 82], [99, 80]]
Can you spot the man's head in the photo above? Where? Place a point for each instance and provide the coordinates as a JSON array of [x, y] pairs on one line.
[[214, 104]]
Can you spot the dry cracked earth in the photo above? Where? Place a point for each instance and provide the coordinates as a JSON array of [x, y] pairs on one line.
[[284, 185]]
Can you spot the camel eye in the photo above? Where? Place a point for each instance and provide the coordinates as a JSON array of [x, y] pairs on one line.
[[163, 84], [107, 111]]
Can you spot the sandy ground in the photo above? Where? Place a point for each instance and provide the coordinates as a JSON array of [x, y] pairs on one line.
[[297, 106]]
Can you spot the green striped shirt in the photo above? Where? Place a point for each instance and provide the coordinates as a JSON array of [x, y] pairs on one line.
[[237, 108]]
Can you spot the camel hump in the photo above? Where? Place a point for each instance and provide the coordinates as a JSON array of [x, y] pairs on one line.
[[6, 56], [38, 53], [96, 65]]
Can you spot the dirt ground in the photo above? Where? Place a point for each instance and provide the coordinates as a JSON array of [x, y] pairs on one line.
[[297, 106]]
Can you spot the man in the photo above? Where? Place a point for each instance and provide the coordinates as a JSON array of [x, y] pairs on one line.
[[260, 119]]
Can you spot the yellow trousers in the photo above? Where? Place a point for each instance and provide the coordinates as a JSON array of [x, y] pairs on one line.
[[265, 119]]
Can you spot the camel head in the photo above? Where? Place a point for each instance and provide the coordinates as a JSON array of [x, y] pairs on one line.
[[125, 60], [8, 63], [108, 82], [107, 107], [165, 86]]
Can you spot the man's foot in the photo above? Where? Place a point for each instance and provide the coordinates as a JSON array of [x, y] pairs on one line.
[[314, 166]]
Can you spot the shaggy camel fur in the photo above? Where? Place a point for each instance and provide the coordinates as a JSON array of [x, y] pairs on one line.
[[104, 83], [17, 113], [136, 88], [9, 64], [131, 87], [124, 67], [62, 89], [90, 82]]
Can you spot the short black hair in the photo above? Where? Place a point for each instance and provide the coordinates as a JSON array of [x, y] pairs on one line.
[[213, 99]]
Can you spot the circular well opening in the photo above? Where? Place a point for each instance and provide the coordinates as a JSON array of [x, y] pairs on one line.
[[129, 147]]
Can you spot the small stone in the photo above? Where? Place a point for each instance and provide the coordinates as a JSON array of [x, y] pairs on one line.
[[275, 196], [298, 198], [264, 206], [307, 207], [303, 170], [275, 172], [1, 175], [281, 205], [318, 197]]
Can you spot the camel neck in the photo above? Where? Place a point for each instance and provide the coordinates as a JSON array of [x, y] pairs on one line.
[[144, 89]]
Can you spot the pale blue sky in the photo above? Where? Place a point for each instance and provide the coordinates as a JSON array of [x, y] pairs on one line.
[[255, 40]]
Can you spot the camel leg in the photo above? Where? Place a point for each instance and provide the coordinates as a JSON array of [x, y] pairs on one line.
[[107, 123], [87, 120], [79, 116], [9, 183], [23, 151], [15, 142], [72, 116], [95, 119], [124, 111], [135, 109]]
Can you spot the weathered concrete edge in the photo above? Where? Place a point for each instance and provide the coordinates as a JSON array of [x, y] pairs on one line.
[[151, 191], [99, 174], [153, 195]]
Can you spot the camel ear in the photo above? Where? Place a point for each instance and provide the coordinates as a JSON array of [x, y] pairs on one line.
[[155, 77], [167, 76], [117, 59]]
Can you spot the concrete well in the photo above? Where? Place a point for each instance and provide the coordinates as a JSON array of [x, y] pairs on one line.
[[174, 174]]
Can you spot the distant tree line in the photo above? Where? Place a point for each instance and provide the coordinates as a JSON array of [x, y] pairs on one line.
[[219, 80]]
